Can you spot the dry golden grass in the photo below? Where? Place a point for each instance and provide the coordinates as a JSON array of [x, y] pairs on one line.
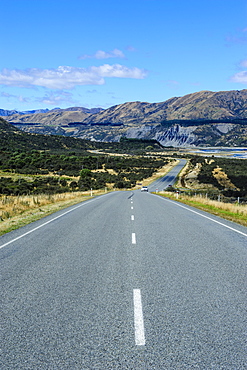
[[231, 207], [231, 211], [223, 179], [17, 211]]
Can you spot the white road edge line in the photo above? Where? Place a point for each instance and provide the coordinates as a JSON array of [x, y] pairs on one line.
[[46, 223], [209, 218], [132, 217], [133, 238], [138, 318]]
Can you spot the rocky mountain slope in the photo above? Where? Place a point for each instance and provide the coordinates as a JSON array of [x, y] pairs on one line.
[[206, 105], [202, 118]]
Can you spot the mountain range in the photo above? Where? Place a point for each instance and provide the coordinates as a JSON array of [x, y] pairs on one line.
[[202, 118], [4, 112]]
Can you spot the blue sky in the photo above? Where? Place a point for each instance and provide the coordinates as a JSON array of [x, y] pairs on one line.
[[99, 53]]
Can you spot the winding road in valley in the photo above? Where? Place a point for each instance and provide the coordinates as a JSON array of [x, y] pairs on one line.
[[127, 280]]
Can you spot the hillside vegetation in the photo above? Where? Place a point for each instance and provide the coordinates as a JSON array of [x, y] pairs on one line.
[[36, 169], [215, 185], [215, 176], [11, 138], [48, 163]]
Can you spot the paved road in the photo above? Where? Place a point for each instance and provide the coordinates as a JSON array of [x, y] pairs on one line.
[[128, 280], [169, 179]]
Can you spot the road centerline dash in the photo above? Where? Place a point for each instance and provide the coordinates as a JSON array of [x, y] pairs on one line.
[[133, 238], [132, 217], [138, 318]]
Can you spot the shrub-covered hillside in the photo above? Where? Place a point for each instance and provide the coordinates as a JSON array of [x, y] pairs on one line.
[[229, 175]]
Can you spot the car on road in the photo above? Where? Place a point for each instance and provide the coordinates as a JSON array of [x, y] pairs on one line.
[[144, 188]]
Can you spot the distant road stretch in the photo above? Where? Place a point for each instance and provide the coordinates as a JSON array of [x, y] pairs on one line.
[[169, 179], [127, 280]]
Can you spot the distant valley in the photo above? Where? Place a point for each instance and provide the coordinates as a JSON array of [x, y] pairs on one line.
[[204, 118]]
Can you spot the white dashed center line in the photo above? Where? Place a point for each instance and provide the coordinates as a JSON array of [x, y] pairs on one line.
[[138, 318], [138, 315]]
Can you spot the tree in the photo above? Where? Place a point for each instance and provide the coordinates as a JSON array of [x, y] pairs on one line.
[[73, 185], [85, 181]]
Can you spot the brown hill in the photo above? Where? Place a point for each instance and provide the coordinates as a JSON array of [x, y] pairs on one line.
[[198, 106], [202, 118], [56, 117]]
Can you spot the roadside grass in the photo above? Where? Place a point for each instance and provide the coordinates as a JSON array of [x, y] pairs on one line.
[[233, 212], [17, 211]]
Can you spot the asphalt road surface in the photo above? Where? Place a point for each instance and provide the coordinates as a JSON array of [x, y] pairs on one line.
[[127, 280], [169, 179]]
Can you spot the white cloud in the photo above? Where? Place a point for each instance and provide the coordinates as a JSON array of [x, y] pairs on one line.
[[50, 98], [172, 84], [18, 97], [100, 54], [91, 91], [120, 71], [131, 48], [238, 38], [53, 98], [112, 54], [60, 78], [22, 99], [232, 40], [240, 77], [243, 63], [65, 77], [7, 95]]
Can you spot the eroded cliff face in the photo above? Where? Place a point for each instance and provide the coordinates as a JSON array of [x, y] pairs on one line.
[[176, 135], [173, 136], [223, 134]]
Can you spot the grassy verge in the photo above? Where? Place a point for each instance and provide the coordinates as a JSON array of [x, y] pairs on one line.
[[233, 212], [17, 211]]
